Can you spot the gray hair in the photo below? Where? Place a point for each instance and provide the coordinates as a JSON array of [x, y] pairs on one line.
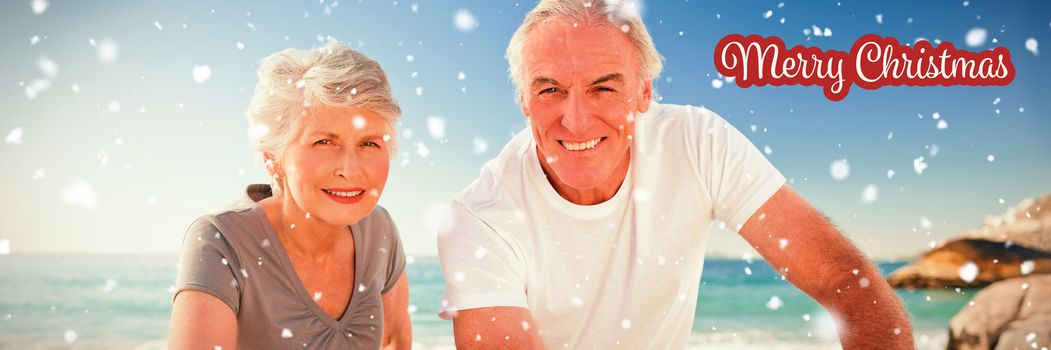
[[334, 75], [616, 13]]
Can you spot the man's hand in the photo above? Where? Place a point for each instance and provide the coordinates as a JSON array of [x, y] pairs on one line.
[[501, 327], [806, 248]]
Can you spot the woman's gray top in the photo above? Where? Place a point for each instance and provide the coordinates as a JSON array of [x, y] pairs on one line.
[[236, 256]]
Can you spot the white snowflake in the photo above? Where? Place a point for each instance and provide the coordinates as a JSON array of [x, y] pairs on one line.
[[14, 137], [1031, 45], [39, 6], [465, 21], [109, 286], [70, 336], [358, 122], [774, 303], [79, 193], [968, 272], [480, 145], [47, 66], [919, 166], [107, 50], [201, 73], [422, 150], [976, 37], [868, 195], [839, 169], [436, 127], [1027, 267]]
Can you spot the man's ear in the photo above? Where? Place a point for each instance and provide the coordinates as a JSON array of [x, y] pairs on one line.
[[522, 104], [647, 95]]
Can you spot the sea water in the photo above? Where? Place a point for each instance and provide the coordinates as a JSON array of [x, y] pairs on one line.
[[124, 302]]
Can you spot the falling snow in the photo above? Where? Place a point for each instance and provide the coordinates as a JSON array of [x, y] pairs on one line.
[[14, 137], [976, 37], [107, 51], [201, 73], [839, 170], [919, 166], [1031, 46], [79, 193], [868, 195], [70, 336], [465, 21], [968, 272], [774, 303], [109, 286], [1027, 267], [39, 6], [436, 127], [479, 145]]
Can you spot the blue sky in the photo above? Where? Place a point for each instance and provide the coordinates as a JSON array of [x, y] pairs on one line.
[[126, 160]]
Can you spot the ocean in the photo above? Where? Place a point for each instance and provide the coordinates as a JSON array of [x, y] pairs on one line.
[[124, 302]]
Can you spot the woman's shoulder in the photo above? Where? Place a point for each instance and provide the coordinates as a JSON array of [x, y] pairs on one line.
[[378, 222], [237, 227]]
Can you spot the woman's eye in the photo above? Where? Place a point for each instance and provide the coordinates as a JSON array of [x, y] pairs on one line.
[[370, 144], [323, 142]]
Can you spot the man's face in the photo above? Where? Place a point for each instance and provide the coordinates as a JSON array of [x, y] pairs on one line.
[[582, 89]]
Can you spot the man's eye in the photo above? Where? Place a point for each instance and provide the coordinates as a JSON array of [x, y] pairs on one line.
[[549, 90], [604, 89]]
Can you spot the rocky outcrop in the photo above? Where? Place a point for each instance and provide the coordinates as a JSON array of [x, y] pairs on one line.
[[1010, 314], [947, 265], [1013, 244], [1027, 224]]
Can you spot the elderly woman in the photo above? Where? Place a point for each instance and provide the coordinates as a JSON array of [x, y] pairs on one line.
[[309, 261]]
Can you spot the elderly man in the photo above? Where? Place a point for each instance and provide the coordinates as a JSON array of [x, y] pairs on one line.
[[588, 230]]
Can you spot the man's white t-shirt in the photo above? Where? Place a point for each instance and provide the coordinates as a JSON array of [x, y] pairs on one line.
[[620, 274]]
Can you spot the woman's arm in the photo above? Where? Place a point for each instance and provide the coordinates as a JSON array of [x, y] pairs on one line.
[[202, 321], [397, 327]]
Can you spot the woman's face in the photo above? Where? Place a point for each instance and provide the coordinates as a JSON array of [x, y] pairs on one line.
[[336, 166]]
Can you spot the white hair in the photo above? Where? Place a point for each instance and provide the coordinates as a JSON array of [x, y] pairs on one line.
[[334, 75], [615, 13]]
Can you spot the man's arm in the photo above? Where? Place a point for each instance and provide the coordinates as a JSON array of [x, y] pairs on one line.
[[501, 327], [806, 248], [397, 326]]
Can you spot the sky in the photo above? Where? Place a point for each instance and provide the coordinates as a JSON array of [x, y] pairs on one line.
[[124, 120]]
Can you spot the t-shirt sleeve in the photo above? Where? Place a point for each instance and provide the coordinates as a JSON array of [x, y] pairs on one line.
[[396, 262], [480, 266], [207, 264], [740, 179]]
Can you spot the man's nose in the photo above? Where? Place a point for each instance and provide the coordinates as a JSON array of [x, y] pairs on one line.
[[577, 114]]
